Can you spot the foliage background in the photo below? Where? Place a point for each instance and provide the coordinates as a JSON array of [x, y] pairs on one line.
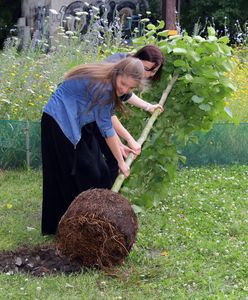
[[191, 12], [10, 11], [224, 13]]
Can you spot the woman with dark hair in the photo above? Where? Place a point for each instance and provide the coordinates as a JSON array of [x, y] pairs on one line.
[[153, 60], [72, 160]]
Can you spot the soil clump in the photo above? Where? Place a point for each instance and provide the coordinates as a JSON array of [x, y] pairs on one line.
[[37, 261], [98, 229]]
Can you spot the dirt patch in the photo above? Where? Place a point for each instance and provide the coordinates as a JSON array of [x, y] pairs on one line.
[[98, 230], [37, 261]]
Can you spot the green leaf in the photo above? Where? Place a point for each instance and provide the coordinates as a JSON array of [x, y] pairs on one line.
[[194, 139], [182, 158], [212, 38], [224, 40], [151, 26], [5, 100], [227, 66], [188, 78], [140, 40], [211, 74], [179, 51], [213, 47], [211, 31], [150, 33], [205, 107], [193, 55], [179, 63], [199, 38], [163, 33], [226, 82], [161, 24], [197, 99]]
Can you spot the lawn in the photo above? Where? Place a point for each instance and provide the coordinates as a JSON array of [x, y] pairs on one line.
[[192, 245]]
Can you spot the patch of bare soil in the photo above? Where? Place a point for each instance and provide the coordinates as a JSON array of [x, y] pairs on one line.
[[37, 261]]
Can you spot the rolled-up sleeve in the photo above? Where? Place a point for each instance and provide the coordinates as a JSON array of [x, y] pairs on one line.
[[126, 97], [103, 115]]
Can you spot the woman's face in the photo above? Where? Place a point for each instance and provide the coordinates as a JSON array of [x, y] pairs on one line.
[[124, 84], [148, 67]]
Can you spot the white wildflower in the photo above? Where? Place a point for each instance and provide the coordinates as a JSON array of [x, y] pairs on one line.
[[95, 8], [81, 13], [53, 11]]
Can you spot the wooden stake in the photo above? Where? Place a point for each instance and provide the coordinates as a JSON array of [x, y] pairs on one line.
[[119, 180], [27, 135]]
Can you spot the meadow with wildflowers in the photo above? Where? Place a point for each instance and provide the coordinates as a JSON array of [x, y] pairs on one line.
[[238, 100], [29, 77]]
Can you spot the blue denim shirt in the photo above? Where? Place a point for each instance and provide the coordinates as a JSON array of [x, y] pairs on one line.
[[71, 107]]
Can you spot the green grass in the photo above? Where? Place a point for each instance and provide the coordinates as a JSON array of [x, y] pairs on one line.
[[193, 245]]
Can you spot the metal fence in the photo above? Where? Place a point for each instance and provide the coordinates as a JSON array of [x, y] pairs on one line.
[[225, 144]]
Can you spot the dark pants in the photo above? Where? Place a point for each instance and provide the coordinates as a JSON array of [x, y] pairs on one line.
[[68, 171]]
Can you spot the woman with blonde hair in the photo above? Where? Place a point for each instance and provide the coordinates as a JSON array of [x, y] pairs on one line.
[[153, 61], [71, 157]]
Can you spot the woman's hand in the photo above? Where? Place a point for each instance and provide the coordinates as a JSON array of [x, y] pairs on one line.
[[138, 102], [135, 146], [152, 107], [124, 168], [125, 150]]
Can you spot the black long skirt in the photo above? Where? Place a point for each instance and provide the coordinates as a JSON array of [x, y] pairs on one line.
[[109, 157], [67, 171]]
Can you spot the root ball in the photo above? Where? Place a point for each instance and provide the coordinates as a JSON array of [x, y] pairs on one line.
[[98, 229]]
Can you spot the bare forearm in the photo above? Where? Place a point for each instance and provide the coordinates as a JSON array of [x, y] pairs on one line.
[[138, 102], [114, 144], [120, 129], [122, 132]]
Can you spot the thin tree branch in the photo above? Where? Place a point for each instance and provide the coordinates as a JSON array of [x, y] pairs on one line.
[[119, 180]]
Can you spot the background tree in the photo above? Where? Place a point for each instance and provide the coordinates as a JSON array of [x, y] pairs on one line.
[[10, 11], [222, 14], [169, 15], [196, 15]]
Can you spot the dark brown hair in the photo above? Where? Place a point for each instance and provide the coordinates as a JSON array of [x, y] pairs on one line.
[[153, 54]]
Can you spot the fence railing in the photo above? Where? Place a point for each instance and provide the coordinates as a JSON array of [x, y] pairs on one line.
[[225, 144], [19, 144]]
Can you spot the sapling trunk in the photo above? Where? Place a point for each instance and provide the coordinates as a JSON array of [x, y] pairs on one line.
[[119, 180]]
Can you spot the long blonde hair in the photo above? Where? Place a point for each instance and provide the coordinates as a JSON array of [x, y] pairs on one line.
[[106, 73]]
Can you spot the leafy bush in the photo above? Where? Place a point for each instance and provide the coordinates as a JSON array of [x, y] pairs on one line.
[[195, 103]]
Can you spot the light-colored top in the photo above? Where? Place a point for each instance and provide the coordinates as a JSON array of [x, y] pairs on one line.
[[77, 102], [116, 57]]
